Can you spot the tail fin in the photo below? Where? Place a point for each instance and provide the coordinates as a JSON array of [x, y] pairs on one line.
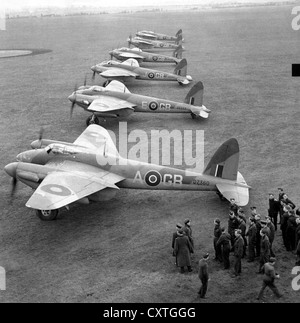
[[178, 52], [178, 32], [224, 163], [195, 95], [181, 68], [179, 39]]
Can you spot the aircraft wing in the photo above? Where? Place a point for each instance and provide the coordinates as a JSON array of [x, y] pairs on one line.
[[110, 104], [131, 55], [70, 182], [96, 137], [145, 34], [118, 72], [117, 86]]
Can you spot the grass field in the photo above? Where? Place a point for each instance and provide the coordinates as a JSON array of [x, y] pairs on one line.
[[120, 250]]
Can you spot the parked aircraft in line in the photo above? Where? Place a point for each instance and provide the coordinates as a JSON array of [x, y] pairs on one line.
[[124, 53], [158, 36], [130, 69], [91, 170], [115, 100], [148, 44]]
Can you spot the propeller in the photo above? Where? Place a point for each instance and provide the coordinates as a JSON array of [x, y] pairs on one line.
[[41, 133], [14, 183], [74, 101], [129, 41]]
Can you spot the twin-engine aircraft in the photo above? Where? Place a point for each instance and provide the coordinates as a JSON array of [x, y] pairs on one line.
[[148, 44], [115, 100], [124, 53], [130, 69], [91, 170], [158, 36]]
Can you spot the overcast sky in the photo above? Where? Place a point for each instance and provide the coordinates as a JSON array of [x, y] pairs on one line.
[[112, 3]]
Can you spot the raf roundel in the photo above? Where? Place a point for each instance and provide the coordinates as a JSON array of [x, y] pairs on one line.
[[155, 58], [151, 75], [152, 178], [56, 189], [153, 105]]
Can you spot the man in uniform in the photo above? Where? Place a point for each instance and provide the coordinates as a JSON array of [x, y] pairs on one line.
[[188, 230], [274, 209], [269, 278], [233, 224], [224, 243], [182, 251], [271, 236], [203, 275], [233, 206], [175, 235], [251, 233], [217, 234], [238, 250], [264, 249], [258, 236]]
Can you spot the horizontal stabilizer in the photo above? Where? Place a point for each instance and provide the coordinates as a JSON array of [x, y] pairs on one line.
[[240, 194], [203, 114]]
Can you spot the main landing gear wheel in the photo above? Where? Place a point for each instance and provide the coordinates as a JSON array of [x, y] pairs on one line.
[[47, 215], [193, 115], [92, 120]]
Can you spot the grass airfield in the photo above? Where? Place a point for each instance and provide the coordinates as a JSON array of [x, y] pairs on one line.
[[120, 250]]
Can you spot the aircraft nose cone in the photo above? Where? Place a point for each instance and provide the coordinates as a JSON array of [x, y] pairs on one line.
[[36, 144], [72, 97], [93, 68], [11, 169]]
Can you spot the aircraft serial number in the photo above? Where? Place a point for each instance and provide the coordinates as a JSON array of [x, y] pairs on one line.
[[200, 182]]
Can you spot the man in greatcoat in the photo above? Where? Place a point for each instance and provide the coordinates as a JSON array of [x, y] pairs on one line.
[[182, 250], [251, 234], [238, 250], [224, 243]]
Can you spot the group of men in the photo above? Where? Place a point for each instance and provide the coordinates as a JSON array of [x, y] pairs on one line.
[[253, 242]]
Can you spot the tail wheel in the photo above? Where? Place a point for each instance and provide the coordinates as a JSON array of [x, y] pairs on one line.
[[47, 215]]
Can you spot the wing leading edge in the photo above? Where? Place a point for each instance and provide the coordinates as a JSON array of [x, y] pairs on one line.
[[70, 183]]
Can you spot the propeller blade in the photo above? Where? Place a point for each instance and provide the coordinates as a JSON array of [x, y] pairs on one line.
[[84, 80], [72, 108], [41, 133], [94, 74], [13, 187]]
